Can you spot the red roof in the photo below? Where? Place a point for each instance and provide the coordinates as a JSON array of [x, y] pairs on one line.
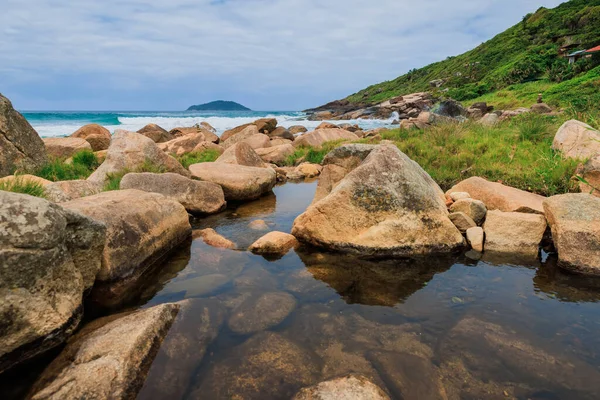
[[593, 49]]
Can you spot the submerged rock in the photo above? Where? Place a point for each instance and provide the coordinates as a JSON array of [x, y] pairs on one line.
[[97, 136], [261, 313], [109, 358], [274, 243], [241, 154], [352, 387], [50, 256], [388, 206], [64, 148], [577, 140], [575, 223], [199, 286], [514, 233], [212, 238], [319, 137]]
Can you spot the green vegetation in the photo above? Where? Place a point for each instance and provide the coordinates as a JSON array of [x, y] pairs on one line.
[[517, 64], [113, 180], [310, 154], [208, 155], [19, 185], [83, 164]]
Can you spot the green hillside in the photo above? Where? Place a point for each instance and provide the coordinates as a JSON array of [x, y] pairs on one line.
[[526, 54]]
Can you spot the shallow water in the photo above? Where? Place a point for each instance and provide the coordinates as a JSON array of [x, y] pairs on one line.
[[437, 327]]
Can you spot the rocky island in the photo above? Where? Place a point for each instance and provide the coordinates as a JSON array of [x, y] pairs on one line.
[[219, 105]]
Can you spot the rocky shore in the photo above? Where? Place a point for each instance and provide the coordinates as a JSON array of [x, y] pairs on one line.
[[81, 245]]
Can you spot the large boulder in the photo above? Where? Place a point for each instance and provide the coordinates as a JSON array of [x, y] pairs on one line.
[[281, 132], [451, 108], [577, 140], [575, 223], [514, 233], [21, 148], [321, 136], [62, 191], [497, 196], [249, 135], [590, 172], [129, 151], [64, 148], [96, 135], [141, 228], [295, 129], [156, 133], [276, 154], [184, 144], [263, 125], [208, 134], [197, 197], [239, 182], [109, 358], [49, 256], [387, 206], [241, 154], [351, 387]]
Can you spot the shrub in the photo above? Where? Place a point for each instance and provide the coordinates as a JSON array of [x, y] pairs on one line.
[[208, 155], [81, 166], [19, 185]]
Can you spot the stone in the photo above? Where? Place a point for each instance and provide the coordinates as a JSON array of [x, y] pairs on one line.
[[327, 125], [259, 313], [309, 170], [451, 108], [101, 155], [197, 287], [489, 120], [577, 140], [203, 146], [387, 206], [21, 148], [197, 197], [590, 172], [455, 196], [274, 243], [266, 125], [24, 179], [109, 358], [295, 129], [156, 133], [258, 225], [497, 196], [141, 228], [281, 132], [129, 151], [351, 387], [514, 233], [475, 238], [475, 209], [50, 257], [514, 113], [321, 136], [348, 156], [239, 182], [63, 191], [186, 143], [208, 127], [96, 135], [241, 154], [462, 221], [279, 142], [575, 223], [249, 135], [208, 135], [63, 148], [541, 108], [212, 238], [276, 154]]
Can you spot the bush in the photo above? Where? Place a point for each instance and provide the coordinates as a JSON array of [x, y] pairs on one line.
[[81, 167], [18, 185], [208, 155], [310, 154]]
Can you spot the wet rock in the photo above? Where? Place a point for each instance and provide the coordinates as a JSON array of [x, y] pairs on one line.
[[590, 172], [297, 129], [129, 151], [321, 136], [514, 233], [387, 206], [64, 148], [63, 191], [241, 154], [259, 313], [577, 140], [49, 256], [462, 221], [197, 197], [309, 170], [258, 225], [267, 366], [187, 143], [352, 387], [489, 120], [21, 148], [475, 209], [212, 238], [109, 358], [97, 136], [274, 243], [575, 223], [238, 181], [156, 133], [475, 238], [281, 132], [496, 196], [276, 154]]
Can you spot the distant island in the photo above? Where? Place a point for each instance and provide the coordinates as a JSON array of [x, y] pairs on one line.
[[219, 105]]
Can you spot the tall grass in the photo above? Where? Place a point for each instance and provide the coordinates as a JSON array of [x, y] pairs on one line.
[[311, 154], [208, 155], [83, 164], [20, 185]]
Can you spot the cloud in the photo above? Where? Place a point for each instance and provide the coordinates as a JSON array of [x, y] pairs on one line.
[[268, 54]]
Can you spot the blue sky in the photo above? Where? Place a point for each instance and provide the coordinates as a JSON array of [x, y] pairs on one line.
[[265, 54]]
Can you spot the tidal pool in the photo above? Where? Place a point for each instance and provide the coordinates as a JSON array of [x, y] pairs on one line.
[[440, 327]]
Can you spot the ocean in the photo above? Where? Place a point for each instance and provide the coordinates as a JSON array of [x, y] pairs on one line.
[[64, 123]]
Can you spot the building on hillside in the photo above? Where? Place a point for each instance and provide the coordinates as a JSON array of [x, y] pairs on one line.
[[566, 49], [577, 55]]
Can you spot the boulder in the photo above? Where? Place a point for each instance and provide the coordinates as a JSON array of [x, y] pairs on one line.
[[387, 206], [475, 238], [327, 125], [514, 233], [141, 228], [239, 182], [351, 387], [50, 257], [203, 146], [208, 135], [241, 154], [276, 154], [249, 135], [156, 133], [577, 140], [208, 127], [264, 125], [497, 196], [513, 113], [24, 179], [184, 144], [109, 358], [590, 172], [64, 148], [541, 108], [348, 156], [462, 221], [197, 197], [212, 238], [319, 137], [281, 132], [295, 129], [475, 209], [279, 142], [575, 223], [309, 170], [62, 191], [101, 155], [21, 148], [259, 313], [489, 120], [451, 108], [96, 135], [274, 243], [456, 196], [129, 151]]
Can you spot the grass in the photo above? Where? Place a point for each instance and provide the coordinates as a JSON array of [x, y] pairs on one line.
[[113, 180], [18, 185], [208, 155], [83, 164], [310, 154]]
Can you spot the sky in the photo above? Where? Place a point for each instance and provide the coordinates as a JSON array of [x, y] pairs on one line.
[[265, 54]]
